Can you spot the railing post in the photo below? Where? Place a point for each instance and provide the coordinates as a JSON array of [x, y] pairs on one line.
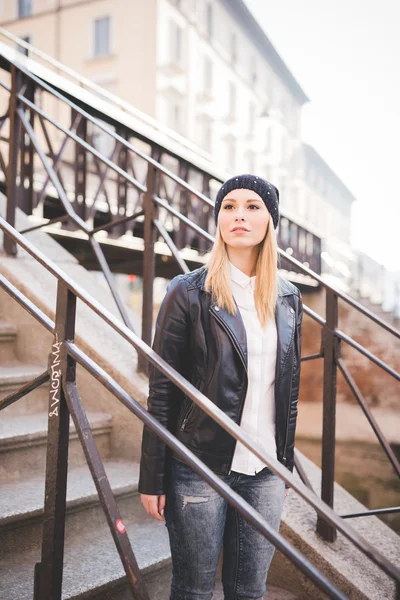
[[49, 572], [330, 348], [80, 168], [149, 236], [10, 245], [26, 191], [122, 160], [180, 202]]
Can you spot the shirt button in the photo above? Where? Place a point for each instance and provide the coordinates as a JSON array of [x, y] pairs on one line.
[[216, 307]]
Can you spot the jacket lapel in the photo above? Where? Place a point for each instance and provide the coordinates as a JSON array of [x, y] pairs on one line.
[[285, 323]]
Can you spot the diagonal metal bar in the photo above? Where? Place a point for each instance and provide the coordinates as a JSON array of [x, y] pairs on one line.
[[109, 278], [219, 416], [25, 389], [27, 304], [175, 252], [348, 299], [84, 144], [182, 217], [55, 157], [89, 117], [48, 222], [52, 174], [194, 394], [367, 353], [312, 356], [301, 471], [110, 225], [220, 486], [106, 496], [102, 176], [342, 336], [5, 86], [367, 412], [3, 167], [375, 511]]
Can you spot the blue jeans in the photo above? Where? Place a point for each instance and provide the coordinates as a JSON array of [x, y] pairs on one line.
[[200, 522]]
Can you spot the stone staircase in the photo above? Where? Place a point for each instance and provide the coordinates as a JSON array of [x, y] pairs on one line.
[[92, 567]]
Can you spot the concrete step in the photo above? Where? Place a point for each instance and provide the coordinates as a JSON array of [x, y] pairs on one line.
[[15, 374], [23, 442], [21, 505], [92, 566], [8, 335]]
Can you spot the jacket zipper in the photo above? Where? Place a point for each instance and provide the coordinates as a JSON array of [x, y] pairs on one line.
[[245, 368], [185, 420]]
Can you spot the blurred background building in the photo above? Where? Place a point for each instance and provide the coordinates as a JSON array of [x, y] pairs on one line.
[[207, 71]]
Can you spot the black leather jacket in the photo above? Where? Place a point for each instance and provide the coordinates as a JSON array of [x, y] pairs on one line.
[[207, 345]]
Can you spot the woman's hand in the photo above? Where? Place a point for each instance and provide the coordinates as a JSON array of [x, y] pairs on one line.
[[154, 505], [287, 490]]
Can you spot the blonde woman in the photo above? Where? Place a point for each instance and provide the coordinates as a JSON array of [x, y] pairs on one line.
[[233, 328]]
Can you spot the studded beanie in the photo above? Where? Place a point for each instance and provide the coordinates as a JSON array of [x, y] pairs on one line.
[[267, 191]]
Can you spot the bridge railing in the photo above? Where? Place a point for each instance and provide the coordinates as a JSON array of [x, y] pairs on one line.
[[64, 401]]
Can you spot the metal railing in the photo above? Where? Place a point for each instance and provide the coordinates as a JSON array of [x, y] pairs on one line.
[[65, 401], [128, 165], [91, 86], [149, 204]]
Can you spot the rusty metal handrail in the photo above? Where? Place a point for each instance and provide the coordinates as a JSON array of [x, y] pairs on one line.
[[217, 414]]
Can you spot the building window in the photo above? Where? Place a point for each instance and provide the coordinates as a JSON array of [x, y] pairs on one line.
[[208, 74], [176, 43], [232, 98], [102, 37], [233, 49], [24, 8], [209, 20]]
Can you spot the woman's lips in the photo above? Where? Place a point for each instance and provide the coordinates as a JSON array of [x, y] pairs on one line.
[[240, 231]]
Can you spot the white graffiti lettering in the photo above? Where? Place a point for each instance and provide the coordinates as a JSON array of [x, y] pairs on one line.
[[55, 377]]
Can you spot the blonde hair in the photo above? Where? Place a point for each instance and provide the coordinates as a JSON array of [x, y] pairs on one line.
[[217, 281]]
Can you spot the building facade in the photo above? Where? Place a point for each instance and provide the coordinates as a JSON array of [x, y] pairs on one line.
[[205, 69]]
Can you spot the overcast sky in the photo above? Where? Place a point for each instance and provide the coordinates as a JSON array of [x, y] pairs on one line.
[[345, 55]]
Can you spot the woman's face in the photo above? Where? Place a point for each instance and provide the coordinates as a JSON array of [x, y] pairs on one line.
[[245, 209]]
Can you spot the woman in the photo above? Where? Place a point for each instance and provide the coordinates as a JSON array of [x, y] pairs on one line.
[[232, 328]]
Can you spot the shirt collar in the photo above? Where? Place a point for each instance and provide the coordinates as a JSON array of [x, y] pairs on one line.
[[241, 278]]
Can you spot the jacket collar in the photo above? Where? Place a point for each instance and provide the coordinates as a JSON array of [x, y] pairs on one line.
[[284, 319]]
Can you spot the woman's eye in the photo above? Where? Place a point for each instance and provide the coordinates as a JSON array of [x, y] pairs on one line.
[[250, 205]]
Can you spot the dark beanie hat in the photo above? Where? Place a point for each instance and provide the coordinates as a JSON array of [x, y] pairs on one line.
[[268, 192]]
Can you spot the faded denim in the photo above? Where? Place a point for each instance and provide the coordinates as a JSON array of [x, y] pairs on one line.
[[200, 522]]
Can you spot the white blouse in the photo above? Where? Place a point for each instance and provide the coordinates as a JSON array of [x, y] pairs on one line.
[[258, 417]]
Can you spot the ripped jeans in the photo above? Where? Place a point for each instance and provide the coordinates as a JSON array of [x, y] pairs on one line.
[[200, 522]]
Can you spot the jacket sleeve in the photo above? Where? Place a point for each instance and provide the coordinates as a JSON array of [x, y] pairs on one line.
[[171, 342], [295, 387]]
